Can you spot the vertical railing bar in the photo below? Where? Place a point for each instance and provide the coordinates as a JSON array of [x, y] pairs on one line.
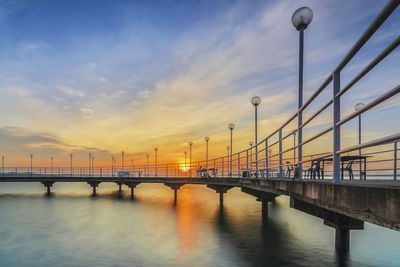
[[266, 158], [336, 129], [395, 161], [280, 155]]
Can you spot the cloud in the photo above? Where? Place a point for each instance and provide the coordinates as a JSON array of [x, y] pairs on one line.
[[86, 112], [70, 91]]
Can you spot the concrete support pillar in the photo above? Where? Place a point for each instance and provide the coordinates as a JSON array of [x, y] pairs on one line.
[[175, 195], [342, 238], [132, 186], [94, 184], [221, 190], [264, 208], [175, 187], [342, 223], [120, 188], [48, 184]]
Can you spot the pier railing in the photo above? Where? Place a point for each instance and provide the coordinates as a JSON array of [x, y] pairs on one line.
[[268, 158]]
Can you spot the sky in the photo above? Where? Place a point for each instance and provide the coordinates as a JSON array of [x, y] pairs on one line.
[[105, 76]]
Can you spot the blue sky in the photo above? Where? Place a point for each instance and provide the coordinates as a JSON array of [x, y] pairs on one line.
[[106, 76]]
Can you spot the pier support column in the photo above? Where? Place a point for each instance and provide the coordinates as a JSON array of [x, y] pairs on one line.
[[342, 223], [221, 189], [263, 197], [132, 186], [119, 183], [175, 187], [48, 184], [94, 184]]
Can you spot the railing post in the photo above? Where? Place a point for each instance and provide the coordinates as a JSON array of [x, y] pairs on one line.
[[101, 172], [238, 165], [167, 171], [222, 167], [280, 155], [247, 164], [336, 129], [215, 171], [266, 159], [395, 161]]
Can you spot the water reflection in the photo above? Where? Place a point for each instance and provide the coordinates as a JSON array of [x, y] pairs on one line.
[[110, 229]]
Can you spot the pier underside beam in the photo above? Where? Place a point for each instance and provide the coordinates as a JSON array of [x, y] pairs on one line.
[[342, 223]]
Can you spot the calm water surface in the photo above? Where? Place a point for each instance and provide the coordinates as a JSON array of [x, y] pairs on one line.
[[73, 229]]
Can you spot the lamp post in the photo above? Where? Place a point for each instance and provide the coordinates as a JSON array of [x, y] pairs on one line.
[[93, 165], [90, 164], [112, 166], [270, 161], [256, 100], [190, 158], [251, 143], [231, 126], [301, 19], [357, 108], [185, 169], [31, 163], [51, 163], [122, 159], [147, 164], [2, 164], [207, 139], [294, 147], [155, 150], [71, 163]]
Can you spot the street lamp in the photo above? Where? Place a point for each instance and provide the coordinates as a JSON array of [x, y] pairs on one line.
[[231, 126], [357, 108], [301, 19], [207, 139], [155, 150], [71, 163], [122, 162], [2, 164], [256, 100], [93, 165], [190, 158], [90, 164], [112, 166], [31, 163], [147, 164], [51, 161], [185, 162]]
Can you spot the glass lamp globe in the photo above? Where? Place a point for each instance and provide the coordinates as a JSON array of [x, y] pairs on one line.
[[227, 148], [358, 106], [190, 143], [256, 100], [251, 143], [302, 17], [231, 126], [156, 149], [207, 138]]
